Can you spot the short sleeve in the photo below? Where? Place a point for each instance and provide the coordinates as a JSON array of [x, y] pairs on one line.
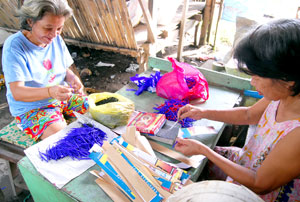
[[14, 63]]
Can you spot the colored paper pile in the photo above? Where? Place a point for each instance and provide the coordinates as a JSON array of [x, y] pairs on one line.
[[134, 173]]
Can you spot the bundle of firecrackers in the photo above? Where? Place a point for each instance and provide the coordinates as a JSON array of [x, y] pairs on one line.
[[137, 174]]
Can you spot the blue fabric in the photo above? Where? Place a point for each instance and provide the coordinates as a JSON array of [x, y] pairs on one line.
[[35, 66]]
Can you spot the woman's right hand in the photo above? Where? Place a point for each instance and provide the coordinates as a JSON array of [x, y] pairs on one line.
[[59, 92], [190, 147], [191, 112]]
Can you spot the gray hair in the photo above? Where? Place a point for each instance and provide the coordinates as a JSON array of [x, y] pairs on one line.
[[36, 10]]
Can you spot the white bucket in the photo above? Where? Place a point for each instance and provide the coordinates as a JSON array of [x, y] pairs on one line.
[[214, 191]]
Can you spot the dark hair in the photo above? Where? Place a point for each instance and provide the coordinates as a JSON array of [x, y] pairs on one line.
[[272, 50], [36, 9]]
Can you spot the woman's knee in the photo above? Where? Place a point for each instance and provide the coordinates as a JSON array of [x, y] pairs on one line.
[[53, 128]]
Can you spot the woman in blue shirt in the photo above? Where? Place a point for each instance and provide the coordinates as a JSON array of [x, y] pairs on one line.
[[41, 88]]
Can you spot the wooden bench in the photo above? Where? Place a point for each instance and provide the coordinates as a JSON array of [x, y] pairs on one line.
[[13, 142]]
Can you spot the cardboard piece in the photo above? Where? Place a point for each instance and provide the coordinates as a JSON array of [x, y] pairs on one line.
[[143, 169], [134, 138], [131, 174], [111, 190], [174, 154]]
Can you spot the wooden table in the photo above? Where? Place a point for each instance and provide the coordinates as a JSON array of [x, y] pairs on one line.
[[83, 187]]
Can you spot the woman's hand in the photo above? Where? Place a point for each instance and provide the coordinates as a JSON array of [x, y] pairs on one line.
[[60, 92], [76, 85], [74, 82], [191, 112], [190, 147]]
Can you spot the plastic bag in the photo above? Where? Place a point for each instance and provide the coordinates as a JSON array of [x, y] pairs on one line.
[[110, 109], [184, 82]]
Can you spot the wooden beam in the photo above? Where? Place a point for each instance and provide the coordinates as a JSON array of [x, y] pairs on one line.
[[182, 30], [151, 28], [125, 51]]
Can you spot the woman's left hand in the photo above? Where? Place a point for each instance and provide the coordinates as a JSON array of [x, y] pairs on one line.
[[76, 85], [74, 82]]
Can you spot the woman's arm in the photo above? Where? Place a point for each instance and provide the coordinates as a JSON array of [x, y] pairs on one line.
[[237, 115], [23, 93], [280, 166]]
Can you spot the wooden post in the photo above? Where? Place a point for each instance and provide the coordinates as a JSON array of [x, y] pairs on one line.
[[218, 20], [205, 22], [182, 29], [210, 20]]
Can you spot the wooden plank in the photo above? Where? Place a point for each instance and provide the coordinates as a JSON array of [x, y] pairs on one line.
[[173, 154], [117, 22], [143, 169], [128, 29], [85, 20], [213, 77], [98, 22], [129, 172], [125, 51], [11, 152], [112, 24], [69, 29], [151, 28], [111, 189], [105, 23], [9, 20], [90, 5], [182, 30], [79, 19], [110, 27]]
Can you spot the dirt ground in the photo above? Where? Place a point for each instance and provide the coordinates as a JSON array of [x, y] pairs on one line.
[[102, 78], [112, 78]]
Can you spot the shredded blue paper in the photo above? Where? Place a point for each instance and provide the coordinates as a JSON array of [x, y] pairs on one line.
[[170, 109], [76, 144], [191, 82], [145, 83]]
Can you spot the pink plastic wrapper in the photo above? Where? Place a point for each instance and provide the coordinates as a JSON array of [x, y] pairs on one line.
[[184, 82]]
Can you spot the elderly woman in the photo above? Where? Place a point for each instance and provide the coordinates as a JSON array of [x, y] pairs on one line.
[[269, 164], [40, 86]]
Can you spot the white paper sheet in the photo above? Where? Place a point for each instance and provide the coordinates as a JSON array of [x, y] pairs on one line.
[[64, 170]]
